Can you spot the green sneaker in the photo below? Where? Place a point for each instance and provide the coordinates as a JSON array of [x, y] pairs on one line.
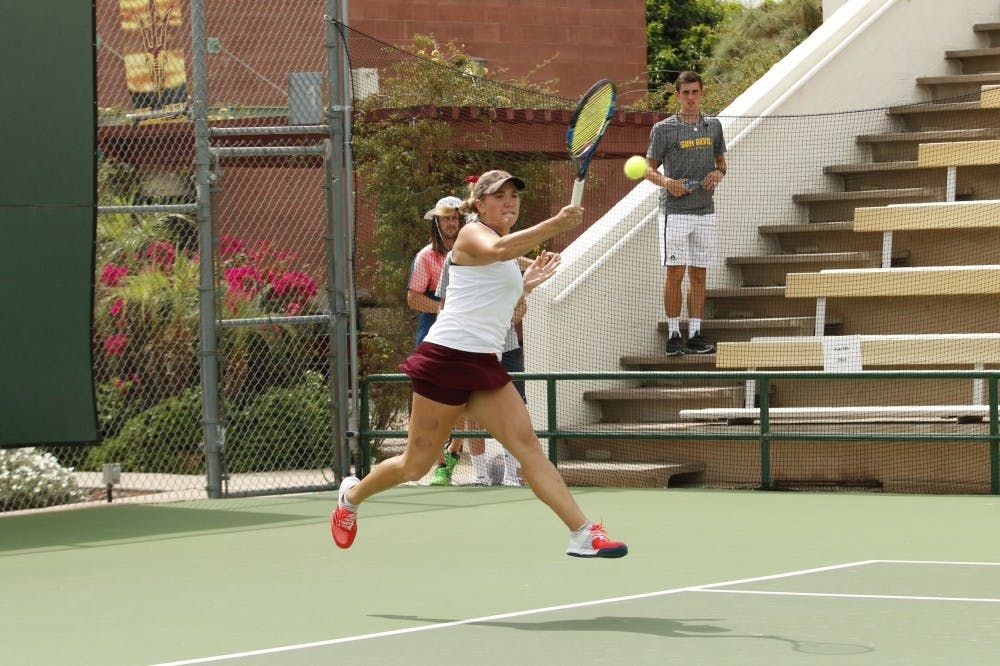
[[451, 462], [442, 473], [441, 477]]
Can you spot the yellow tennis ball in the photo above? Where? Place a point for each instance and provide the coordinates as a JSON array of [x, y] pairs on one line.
[[635, 167]]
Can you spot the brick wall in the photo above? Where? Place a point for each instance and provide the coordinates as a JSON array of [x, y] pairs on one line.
[[261, 42], [585, 39]]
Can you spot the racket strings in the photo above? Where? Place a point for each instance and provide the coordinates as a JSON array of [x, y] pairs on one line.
[[591, 119]]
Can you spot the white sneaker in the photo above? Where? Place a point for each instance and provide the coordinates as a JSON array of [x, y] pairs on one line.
[[592, 541], [510, 467]]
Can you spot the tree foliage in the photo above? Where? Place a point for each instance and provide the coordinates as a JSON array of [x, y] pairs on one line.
[[750, 41], [680, 35], [729, 44]]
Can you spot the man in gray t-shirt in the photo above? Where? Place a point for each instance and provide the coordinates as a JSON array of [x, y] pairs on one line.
[[692, 150]]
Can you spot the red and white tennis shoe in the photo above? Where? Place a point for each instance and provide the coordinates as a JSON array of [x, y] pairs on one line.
[[344, 521], [593, 541]]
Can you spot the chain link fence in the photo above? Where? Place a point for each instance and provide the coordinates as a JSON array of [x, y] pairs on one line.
[[265, 76], [261, 334]]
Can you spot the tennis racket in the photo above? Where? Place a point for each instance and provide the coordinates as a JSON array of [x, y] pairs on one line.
[[586, 128]]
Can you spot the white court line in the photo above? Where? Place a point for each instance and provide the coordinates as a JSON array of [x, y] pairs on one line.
[[852, 596], [502, 616], [971, 564]]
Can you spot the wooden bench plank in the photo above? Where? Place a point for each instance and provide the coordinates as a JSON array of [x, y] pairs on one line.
[[958, 153], [622, 474], [840, 413], [876, 351], [914, 217], [869, 282]]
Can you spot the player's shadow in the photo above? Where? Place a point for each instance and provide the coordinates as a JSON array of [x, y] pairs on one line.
[[652, 626], [635, 625]]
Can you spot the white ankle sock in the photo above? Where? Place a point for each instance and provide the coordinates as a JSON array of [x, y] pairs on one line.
[[480, 467], [674, 325], [694, 327], [342, 498]]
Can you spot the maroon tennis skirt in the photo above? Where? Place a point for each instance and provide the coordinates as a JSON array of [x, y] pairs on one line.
[[449, 376]]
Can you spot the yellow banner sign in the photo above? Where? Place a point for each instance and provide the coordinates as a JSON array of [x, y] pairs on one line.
[[154, 65]]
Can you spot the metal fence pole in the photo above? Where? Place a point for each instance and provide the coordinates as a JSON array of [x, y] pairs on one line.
[[206, 284], [765, 433], [335, 242], [994, 438], [352, 300]]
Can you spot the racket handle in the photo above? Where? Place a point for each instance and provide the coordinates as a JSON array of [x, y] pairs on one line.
[[577, 192]]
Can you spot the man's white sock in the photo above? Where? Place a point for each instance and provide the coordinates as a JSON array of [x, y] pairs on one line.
[[480, 467]]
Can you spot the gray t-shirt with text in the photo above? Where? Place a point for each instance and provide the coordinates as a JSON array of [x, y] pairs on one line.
[[687, 152]]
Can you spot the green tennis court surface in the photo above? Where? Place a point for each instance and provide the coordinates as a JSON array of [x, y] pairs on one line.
[[477, 576]]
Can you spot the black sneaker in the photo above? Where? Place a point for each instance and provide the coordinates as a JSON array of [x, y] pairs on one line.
[[697, 345], [675, 346]]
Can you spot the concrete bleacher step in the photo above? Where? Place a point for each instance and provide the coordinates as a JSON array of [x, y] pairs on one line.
[[902, 146], [753, 302], [976, 61], [839, 206], [945, 115], [990, 30], [613, 474], [770, 269], [822, 237], [745, 292], [660, 403], [949, 86], [744, 328], [881, 413], [660, 361], [724, 330], [871, 176]]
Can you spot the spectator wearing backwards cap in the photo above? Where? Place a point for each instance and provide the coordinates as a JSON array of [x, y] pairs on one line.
[[426, 268], [421, 295]]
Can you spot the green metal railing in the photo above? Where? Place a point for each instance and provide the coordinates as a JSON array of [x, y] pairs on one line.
[[764, 435]]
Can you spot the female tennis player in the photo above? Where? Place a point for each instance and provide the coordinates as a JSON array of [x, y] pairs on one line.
[[457, 366]]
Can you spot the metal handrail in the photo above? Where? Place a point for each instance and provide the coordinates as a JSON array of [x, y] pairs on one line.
[[764, 435]]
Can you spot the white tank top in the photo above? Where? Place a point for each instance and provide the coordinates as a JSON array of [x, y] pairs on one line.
[[480, 303]]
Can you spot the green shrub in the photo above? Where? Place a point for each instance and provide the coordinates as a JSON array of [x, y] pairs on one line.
[[283, 428], [31, 479], [166, 438]]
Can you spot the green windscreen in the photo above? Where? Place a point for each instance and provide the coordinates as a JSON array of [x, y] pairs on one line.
[[47, 223]]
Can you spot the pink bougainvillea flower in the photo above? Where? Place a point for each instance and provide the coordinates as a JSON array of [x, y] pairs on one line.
[[115, 344], [229, 245], [298, 285], [243, 281], [113, 274], [161, 254], [117, 307]]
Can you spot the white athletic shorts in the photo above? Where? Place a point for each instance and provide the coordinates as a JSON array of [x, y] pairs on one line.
[[687, 240]]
